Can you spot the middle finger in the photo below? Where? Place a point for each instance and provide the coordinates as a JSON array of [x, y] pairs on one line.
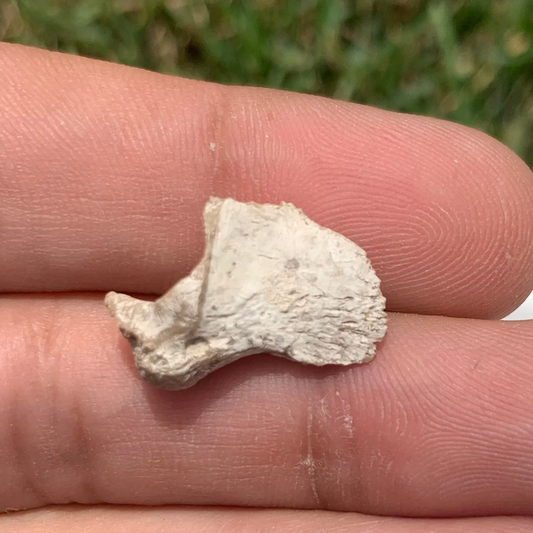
[[438, 425]]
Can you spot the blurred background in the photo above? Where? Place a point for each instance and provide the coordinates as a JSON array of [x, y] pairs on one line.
[[470, 61]]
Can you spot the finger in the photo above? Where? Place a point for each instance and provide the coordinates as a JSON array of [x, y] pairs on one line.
[[105, 169], [221, 519], [438, 425]]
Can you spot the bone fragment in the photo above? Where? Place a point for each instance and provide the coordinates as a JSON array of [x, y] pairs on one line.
[[271, 280]]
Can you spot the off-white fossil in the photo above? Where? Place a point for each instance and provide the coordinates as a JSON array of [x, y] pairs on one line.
[[271, 280]]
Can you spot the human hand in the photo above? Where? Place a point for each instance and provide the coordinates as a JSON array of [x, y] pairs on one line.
[[104, 171]]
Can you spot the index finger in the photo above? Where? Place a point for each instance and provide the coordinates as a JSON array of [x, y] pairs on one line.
[[104, 171]]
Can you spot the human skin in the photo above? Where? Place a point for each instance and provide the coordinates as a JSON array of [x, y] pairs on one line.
[[104, 171]]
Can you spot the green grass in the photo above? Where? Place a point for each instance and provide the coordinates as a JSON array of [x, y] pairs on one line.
[[470, 61]]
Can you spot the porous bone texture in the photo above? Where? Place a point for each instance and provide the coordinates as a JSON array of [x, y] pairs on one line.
[[271, 280]]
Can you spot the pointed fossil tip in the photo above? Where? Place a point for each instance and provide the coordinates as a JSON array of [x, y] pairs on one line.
[[121, 305], [111, 300]]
